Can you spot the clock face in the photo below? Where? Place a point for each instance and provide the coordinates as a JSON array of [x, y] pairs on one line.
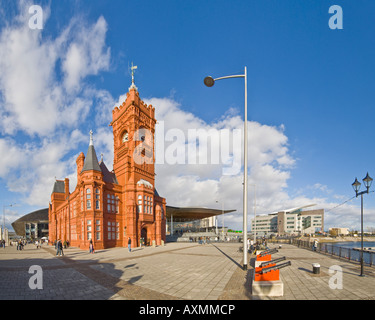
[[125, 137]]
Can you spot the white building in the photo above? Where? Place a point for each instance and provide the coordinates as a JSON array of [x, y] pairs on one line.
[[290, 221], [4, 235], [338, 231]]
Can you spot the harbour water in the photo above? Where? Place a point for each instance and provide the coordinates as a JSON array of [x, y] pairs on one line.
[[350, 250]]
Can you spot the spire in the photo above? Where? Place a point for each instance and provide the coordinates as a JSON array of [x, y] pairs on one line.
[[91, 161], [91, 139], [133, 85]]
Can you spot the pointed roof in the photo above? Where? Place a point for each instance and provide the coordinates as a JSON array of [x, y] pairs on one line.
[[108, 176], [59, 187], [91, 161]]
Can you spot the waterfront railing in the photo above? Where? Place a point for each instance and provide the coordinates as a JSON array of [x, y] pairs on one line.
[[350, 254]]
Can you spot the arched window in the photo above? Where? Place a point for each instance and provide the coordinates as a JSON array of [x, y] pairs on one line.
[[125, 137]]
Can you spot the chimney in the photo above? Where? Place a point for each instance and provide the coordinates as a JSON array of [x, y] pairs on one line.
[[66, 188], [80, 162]]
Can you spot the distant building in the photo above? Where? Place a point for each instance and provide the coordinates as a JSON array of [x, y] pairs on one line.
[[33, 225], [338, 231], [289, 222]]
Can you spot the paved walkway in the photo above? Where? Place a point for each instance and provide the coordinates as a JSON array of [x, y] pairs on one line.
[[185, 271]]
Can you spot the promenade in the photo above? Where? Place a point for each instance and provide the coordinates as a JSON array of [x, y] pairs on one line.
[[176, 271]]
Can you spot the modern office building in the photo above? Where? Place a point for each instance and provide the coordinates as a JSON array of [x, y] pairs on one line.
[[289, 222]]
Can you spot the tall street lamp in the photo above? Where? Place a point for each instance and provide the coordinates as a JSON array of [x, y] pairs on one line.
[[222, 212], [4, 206], [209, 82], [356, 186]]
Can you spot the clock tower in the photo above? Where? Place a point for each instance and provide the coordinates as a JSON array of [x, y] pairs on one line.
[[133, 124]]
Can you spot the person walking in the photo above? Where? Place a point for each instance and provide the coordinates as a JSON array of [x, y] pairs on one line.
[[61, 248], [57, 247], [60, 251], [130, 244], [91, 247]]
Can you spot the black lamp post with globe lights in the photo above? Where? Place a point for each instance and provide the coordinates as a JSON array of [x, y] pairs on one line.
[[356, 186]]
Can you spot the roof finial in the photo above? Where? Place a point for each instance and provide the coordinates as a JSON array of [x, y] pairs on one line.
[[91, 139], [101, 157], [133, 67]]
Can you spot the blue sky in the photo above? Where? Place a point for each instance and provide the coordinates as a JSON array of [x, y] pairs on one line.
[[310, 96]]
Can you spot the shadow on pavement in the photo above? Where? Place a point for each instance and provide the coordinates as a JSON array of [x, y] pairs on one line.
[[63, 278]]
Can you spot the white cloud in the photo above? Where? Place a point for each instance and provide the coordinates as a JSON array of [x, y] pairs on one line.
[[44, 99], [35, 97], [86, 55]]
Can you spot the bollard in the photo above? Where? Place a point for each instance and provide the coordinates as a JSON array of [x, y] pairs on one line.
[[316, 268]]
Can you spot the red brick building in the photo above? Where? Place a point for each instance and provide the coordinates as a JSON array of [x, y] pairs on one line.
[[108, 207]]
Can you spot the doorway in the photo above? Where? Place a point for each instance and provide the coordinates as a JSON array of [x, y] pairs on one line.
[[143, 240]]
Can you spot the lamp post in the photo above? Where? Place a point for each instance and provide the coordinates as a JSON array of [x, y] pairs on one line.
[[356, 186], [4, 206], [255, 205], [209, 82], [222, 212]]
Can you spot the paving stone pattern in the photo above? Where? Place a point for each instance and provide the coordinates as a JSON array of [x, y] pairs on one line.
[[176, 271]]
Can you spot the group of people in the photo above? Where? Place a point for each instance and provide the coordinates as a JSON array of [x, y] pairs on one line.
[[21, 244], [59, 248], [258, 245]]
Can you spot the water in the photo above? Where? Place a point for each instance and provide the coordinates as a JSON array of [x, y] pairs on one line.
[[355, 244], [348, 252]]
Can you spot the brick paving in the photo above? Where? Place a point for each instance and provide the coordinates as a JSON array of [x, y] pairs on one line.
[[176, 271]]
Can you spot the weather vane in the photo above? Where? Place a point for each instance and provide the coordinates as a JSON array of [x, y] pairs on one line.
[[133, 67]]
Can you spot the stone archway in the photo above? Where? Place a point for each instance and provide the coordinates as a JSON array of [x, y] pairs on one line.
[[144, 236]]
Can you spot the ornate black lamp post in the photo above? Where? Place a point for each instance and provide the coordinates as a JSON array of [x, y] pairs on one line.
[[356, 186]]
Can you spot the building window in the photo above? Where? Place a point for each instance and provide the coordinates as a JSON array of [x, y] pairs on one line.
[[88, 235], [88, 193], [125, 137], [97, 204], [88, 204], [98, 235], [113, 203], [117, 204]]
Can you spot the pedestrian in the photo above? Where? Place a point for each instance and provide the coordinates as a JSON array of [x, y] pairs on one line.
[[130, 244], [251, 246], [57, 247], [61, 248], [315, 245], [60, 251], [91, 247]]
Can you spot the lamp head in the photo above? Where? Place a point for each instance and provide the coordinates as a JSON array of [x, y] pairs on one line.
[[209, 81], [356, 185], [367, 181]]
